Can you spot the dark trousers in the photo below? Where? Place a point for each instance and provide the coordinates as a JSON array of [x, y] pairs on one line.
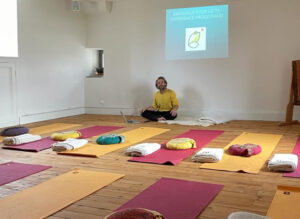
[[154, 115]]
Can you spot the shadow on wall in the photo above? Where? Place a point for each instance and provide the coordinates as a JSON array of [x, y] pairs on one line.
[[190, 104], [142, 96]]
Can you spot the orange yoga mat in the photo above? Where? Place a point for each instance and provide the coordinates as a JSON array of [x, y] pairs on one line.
[[285, 203], [55, 194], [251, 164], [131, 137]]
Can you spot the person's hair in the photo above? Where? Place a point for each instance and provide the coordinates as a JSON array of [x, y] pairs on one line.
[[161, 77]]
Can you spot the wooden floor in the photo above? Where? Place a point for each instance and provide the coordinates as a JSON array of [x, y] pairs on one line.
[[241, 192]]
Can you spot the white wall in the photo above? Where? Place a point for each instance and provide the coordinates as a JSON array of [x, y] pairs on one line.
[[53, 60], [253, 83]]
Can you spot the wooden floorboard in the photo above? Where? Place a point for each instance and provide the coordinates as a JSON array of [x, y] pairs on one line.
[[241, 192]]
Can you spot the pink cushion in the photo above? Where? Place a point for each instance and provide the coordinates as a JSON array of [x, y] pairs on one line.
[[245, 150]]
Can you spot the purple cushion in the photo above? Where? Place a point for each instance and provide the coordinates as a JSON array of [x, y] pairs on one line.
[[14, 131], [245, 150]]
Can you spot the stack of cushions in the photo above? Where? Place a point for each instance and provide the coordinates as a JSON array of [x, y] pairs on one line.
[[245, 150], [142, 149], [69, 144], [135, 213], [208, 155], [181, 144], [62, 136], [14, 131], [110, 139], [21, 139], [283, 162]]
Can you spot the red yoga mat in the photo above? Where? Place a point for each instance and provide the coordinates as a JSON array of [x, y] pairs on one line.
[[296, 173], [46, 143], [173, 157], [175, 199], [13, 171]]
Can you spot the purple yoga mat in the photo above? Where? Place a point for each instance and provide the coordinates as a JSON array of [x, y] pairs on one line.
[[46, 143], [13, 171], [296, 173], [175, 199], [173, 157]]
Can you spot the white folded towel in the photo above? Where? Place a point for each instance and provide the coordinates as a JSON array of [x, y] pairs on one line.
[[21, 139], [142, 149], [208, 155], [69, 144], [283, 162]]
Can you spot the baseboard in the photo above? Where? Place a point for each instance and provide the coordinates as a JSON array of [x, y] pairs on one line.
[[37, 117], [112, 110]]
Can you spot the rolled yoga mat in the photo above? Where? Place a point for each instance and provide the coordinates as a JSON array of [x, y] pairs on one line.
[[296, 173], [131, 137], [55, 194], [175, 198], [285, 203], [166, 156], [46, 143], [251, 164], [13, 171]]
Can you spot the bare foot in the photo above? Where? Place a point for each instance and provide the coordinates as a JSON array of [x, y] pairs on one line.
[[161, 119]]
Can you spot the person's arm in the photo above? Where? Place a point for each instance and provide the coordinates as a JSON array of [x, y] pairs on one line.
[[174, 110], [148, 108]]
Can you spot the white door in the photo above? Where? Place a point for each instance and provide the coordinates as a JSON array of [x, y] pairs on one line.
[[8, 95]]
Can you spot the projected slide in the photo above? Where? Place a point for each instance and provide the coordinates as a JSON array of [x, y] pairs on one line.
[[194, 33]]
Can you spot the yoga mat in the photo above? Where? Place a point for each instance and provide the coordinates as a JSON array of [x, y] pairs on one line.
[[13, 171], [48, 128], [166, 156], [131, 137], [285, 203], [296, 151], [53, 195], [175, 199], [246, 164], [46, 143]]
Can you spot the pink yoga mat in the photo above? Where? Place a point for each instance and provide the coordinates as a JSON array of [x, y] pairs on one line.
[[175, 199], [13, 171], [46, 143], [173, 157], [296, 173]]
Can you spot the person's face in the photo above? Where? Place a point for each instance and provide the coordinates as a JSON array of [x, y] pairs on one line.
[[161, 84]]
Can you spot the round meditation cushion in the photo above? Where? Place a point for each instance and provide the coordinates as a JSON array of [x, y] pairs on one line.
[[181, 143], [62, 136], [245, 150], [14, 131], [110, 139], [135, 213]]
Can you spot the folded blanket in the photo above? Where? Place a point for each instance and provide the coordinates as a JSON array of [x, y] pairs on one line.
[[208, 155], [142, 149], [62, 136], [283, 162], [21, 139], [69, 144]]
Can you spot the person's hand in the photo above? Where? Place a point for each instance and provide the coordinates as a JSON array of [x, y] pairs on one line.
[[173, 112], [143, 109]]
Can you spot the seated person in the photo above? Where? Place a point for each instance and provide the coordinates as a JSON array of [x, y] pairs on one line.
[[165, 103]]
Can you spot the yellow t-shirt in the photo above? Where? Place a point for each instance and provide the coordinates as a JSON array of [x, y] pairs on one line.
[[165, 101]]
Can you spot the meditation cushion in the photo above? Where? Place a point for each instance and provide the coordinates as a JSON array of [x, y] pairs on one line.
[[14, 131], [245, 150], [135, 213], [110, 139], [181, 144], [62, 136]]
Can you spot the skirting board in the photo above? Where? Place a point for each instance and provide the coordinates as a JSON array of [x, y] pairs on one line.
[[51, 115]]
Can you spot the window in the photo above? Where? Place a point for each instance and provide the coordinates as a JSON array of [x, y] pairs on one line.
[[8, 28]]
